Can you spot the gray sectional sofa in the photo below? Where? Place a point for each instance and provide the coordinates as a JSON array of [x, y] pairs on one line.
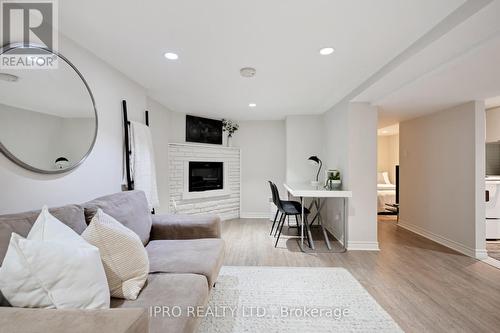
[[185, 254]]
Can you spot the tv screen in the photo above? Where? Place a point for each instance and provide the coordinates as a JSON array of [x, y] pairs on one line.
[[203, 130]]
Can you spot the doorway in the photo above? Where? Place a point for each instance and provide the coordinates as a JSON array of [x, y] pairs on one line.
[[492, 181], [388, 173]]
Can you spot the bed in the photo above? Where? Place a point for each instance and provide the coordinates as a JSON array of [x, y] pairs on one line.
[[386, 192]]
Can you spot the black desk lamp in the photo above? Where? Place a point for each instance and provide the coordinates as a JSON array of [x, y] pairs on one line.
[[316, 160]]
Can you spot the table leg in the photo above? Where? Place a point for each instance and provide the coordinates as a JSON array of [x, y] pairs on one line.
[[346, 216], [309, 235], [320, 220], [302, 223]]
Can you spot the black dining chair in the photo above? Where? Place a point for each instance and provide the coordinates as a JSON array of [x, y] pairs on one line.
[[287, 208], [276, 198]]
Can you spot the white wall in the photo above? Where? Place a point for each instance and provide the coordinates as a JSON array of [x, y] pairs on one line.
[[177, 127], [75, 136], [168, 126], [263, 153], [38, 139], [493, 125], [33, 137], [304, 138], [362, 179], [388, 155], [493, 141], [442, 167], [350, 141], [102, 172]]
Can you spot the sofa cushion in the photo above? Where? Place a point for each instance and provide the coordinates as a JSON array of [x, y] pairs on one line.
[[198, 256], [123, 256], [53, 267], [165, 291], [179, 226], [129, 208], [15, 320], [21, 223]]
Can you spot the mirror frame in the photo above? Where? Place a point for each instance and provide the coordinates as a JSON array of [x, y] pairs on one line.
[[16, 160]]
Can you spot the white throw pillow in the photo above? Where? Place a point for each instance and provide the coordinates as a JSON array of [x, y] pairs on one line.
[[53, 267], [386, 178], [123, 255], [380, 178], [383, 178]]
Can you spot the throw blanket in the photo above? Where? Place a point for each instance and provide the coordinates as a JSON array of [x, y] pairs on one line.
[[142, 162]]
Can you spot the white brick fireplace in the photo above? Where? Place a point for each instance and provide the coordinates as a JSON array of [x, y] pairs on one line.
[[224, 202]]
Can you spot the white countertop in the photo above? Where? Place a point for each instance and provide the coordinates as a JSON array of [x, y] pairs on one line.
[[304, 189]]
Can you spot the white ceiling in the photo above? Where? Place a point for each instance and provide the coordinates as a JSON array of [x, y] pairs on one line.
[[460, 66], [388, 130], [214, 39], [492, 102], [475, 76]]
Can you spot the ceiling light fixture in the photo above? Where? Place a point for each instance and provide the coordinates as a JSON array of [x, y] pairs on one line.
[[248, 72], [252, 105], [326, 50], [171, 56], [8, 77]]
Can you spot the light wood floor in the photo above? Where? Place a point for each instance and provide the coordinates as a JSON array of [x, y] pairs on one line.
[[424, 286]]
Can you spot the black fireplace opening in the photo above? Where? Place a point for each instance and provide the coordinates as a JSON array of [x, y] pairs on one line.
[[205, 176]]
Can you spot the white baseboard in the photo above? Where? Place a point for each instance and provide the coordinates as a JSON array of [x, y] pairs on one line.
[[362, 246], [254, 215], [355, 245], [229, 217], [459, 247], [481, 254], [492, 262]]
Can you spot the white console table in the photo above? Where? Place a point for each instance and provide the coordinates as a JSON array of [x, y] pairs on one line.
[[306, 190]]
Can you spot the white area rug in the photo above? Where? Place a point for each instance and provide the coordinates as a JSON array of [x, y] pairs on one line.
[[292, 299]]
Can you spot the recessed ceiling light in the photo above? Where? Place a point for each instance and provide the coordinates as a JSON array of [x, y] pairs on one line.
[[326, 51], [171, 56], [8, 77], [248, 72], [252, 105]]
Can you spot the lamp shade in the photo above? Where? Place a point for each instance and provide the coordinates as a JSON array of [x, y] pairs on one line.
[[314, 159]]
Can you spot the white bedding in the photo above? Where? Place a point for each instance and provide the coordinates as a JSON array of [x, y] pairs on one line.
[[386, 187], [385, 197], [386, 192]]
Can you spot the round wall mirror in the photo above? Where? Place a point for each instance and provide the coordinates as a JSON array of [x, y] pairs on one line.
[[48, 119]]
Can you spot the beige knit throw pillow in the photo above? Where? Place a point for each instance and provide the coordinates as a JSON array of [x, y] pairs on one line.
[[123, 256]]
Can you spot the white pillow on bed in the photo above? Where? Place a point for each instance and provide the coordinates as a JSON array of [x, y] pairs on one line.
[[383, 178], [380, 178], [386, 178]]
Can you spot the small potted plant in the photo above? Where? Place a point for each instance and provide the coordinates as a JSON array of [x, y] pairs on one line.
[[230, 127], [333, 181]]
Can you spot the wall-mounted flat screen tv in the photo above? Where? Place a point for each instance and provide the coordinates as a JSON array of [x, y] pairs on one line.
[[203, 130]]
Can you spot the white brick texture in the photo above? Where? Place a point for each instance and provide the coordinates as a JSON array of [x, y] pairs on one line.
[[228, 206]]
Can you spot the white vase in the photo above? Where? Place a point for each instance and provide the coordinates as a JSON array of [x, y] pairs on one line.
[[229, 141]]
